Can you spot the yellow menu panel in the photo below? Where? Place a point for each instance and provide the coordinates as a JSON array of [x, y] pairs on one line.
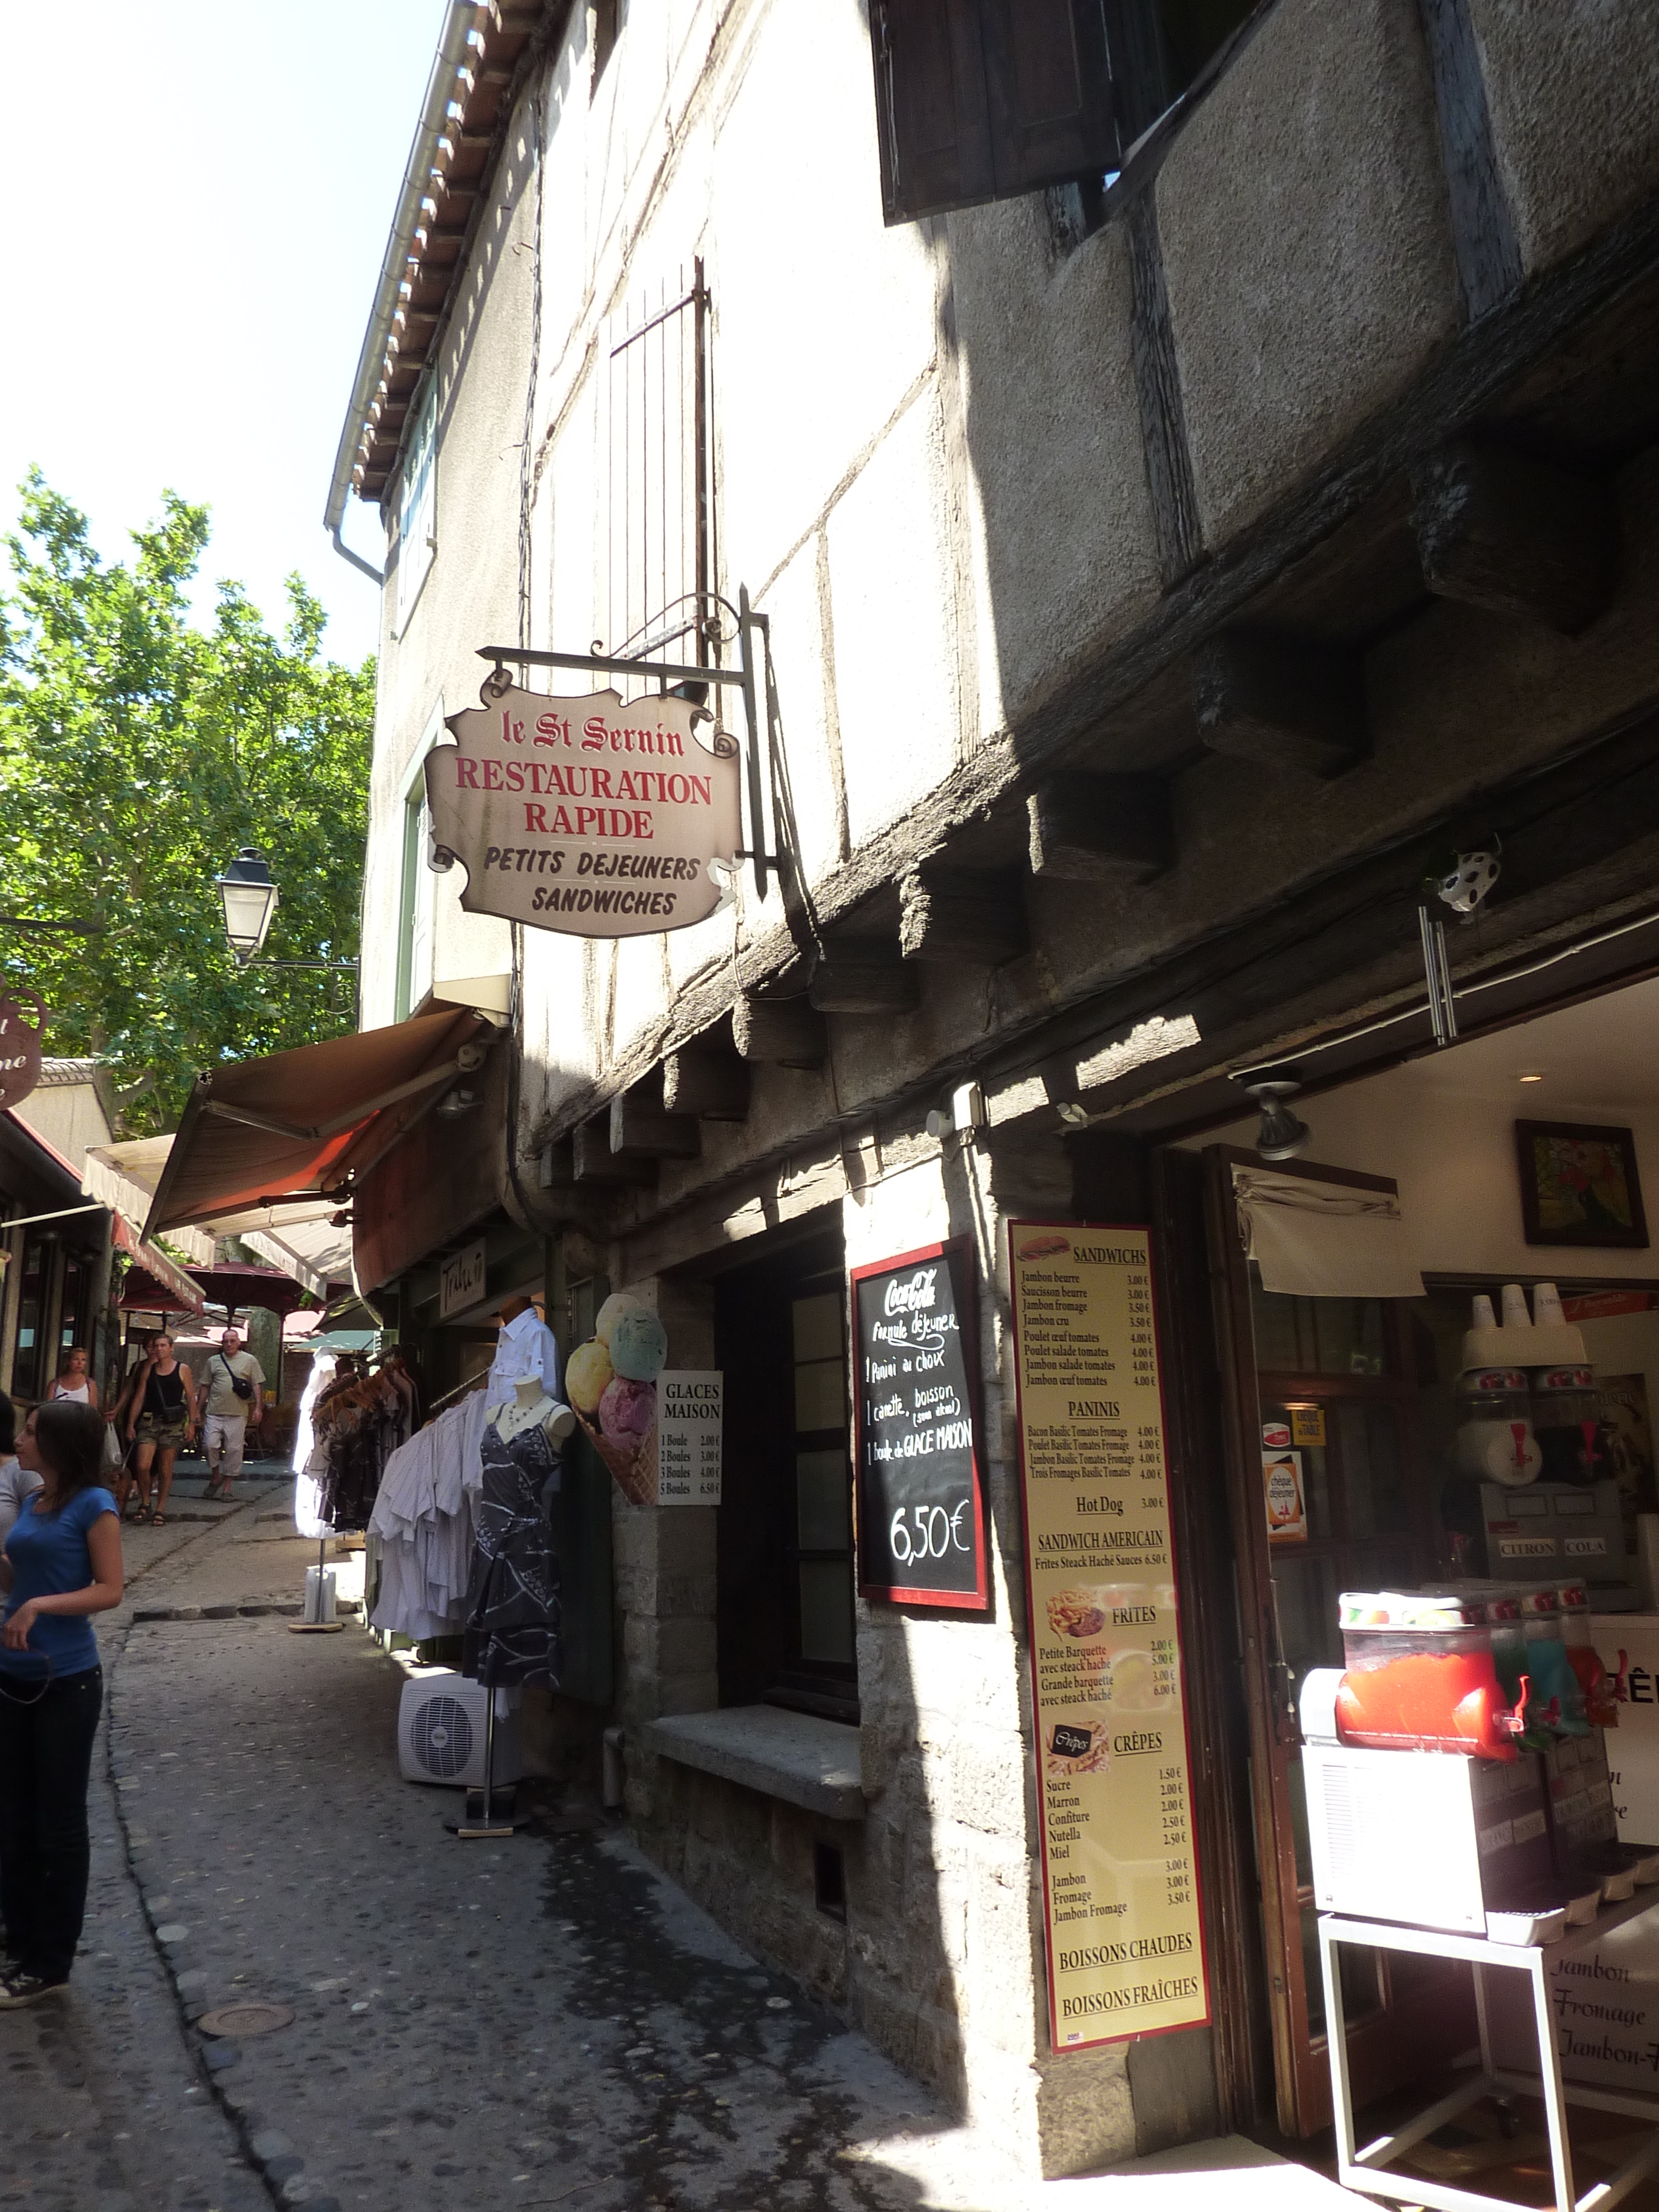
[[1126, 1954]]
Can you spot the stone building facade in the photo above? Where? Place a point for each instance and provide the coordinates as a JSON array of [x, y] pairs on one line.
[[1168, 535]]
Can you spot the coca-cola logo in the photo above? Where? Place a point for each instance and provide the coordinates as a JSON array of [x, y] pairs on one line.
[[19, 1046], [915, 1296]]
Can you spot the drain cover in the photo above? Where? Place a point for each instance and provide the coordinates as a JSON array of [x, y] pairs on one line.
[[252, 2018]]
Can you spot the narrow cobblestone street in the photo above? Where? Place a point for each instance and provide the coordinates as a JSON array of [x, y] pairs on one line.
[[535, 2023]]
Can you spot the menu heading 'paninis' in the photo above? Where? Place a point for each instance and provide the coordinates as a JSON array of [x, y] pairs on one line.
[[583, 815]]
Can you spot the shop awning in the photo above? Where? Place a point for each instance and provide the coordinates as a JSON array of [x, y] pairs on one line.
[[293, 1125], [164, 1285], [233, 1285], [125, 1176], [1314, 1239]]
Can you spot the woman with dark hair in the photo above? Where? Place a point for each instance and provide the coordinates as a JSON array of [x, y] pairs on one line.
[[15, 1482], [62, 1562]]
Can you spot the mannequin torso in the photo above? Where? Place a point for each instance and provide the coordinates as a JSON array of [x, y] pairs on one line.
[[530, 1408]]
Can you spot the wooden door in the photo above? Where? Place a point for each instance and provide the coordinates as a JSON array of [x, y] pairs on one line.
[[1344, 1369]]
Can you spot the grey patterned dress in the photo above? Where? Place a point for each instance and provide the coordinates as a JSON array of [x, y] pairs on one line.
[[512, 1634]]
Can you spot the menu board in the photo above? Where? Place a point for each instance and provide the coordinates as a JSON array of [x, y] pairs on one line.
[[690, 1425], [1125, 1944], [921, 1510]]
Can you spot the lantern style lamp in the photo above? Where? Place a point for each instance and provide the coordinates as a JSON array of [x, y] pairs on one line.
[[250, 900]]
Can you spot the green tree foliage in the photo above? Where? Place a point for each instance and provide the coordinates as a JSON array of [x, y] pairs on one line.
[[138, 751]]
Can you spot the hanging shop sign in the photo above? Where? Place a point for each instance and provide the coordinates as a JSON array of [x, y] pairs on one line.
[[584, 815], [19, 1046], [658, 1429], [1125, 1944], [461, 1283], [921, 1502]]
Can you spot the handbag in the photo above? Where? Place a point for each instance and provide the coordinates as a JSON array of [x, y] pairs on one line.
[[242, 1387]]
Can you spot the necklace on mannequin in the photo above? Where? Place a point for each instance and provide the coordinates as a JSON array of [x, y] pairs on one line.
[[530, 1408]]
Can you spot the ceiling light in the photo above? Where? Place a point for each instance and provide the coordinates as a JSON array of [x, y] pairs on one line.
[[1282, 1134], [1530, 1079]]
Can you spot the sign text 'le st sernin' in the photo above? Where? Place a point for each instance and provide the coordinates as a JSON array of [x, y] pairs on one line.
[[585, 815]]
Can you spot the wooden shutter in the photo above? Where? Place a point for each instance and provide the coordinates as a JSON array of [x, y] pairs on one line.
[[1049, 90], [979, 100]]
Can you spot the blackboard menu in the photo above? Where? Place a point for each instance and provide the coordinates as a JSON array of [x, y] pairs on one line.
[[920, 1508]]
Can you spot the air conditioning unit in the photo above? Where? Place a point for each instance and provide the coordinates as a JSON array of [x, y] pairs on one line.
[[442, 1718]]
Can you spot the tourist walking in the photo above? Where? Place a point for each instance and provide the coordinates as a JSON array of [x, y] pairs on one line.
[[61, 1563], [162, 1416], [232, 1402], [15, 1480], [74, 1381]]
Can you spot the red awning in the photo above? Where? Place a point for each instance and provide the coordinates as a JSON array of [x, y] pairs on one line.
[[152, 1272], [142, 1292], [298, 1124], [233, 1284]]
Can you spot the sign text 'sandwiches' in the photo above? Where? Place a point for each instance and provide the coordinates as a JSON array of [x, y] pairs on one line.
[[583, 815], [1119, 1885]]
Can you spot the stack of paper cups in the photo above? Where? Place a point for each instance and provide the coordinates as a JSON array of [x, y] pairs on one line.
[[1515, 1307]]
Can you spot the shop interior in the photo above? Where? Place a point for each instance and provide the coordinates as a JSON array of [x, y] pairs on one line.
[[1482, 1416]]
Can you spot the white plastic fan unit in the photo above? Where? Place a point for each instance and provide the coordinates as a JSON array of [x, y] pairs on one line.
[[442, 1719]]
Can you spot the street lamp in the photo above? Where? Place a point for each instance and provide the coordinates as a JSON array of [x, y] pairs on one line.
[[250, 900]]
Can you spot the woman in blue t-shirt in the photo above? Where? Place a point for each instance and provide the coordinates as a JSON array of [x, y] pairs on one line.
[[62, 1562]]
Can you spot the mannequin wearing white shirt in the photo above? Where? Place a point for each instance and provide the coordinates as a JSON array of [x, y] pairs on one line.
[[526, 1346]]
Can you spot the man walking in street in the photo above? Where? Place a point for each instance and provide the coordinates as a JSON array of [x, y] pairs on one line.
[[231, 1398]]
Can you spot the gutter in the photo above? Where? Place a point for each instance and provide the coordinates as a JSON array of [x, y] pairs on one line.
[[466, 19]]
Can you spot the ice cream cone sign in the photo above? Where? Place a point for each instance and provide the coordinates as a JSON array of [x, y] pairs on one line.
[[611, 1382]]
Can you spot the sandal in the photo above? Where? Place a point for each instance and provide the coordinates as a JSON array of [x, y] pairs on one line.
[[158, 1520]]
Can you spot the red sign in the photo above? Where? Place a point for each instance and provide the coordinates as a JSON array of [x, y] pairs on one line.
[[20, 1047]]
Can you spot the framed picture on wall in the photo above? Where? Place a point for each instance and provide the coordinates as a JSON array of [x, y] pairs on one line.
[[1579, 1185]]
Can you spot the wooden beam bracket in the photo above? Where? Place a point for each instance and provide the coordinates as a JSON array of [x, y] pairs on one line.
[[786, 1032], [592, 1160], [643, 1129], [1089, 828], [863, 975], [960, 918], [1285, 702], [1516, 536], [705, 1080]]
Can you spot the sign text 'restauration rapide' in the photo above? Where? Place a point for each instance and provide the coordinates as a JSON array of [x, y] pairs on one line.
[[583, 815]]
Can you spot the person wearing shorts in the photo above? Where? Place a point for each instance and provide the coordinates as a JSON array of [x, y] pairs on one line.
[[226, 1414], [160, 1417]]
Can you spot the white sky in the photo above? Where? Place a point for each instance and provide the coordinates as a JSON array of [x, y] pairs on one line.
[[203, 192]]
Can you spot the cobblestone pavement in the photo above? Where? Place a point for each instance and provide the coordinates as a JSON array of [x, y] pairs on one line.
[[535, 2022]]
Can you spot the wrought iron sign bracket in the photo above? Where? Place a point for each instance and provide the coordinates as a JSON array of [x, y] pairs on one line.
[[754, 648]]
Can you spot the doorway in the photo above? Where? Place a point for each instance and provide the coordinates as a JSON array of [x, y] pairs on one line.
[[1354, 1399]]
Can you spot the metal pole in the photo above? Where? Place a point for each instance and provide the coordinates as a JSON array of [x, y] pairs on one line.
[[746, 629], [489, 1759]]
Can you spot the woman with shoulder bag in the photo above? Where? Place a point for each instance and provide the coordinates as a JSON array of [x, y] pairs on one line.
[[162, 1416], [62, 1564]]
